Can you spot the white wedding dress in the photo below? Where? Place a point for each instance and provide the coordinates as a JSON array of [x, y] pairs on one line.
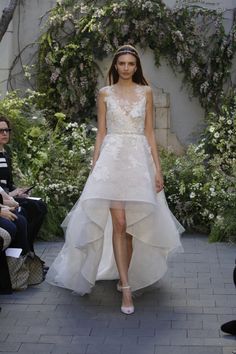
[[124, 177]]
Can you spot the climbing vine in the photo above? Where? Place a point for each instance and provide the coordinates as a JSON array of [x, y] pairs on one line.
[[192, 40]]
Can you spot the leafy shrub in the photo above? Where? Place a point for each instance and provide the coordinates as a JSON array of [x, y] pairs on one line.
[[201, 185], [56, 159]]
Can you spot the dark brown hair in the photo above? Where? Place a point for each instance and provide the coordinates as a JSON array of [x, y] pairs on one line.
[[4, 119], [138, 76]]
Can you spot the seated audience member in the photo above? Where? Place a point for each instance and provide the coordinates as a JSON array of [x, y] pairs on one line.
[[230, 327], [5, 280], [15, 224], [33, 210]]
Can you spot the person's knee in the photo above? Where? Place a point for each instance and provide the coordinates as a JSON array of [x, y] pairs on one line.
[[9, 226]]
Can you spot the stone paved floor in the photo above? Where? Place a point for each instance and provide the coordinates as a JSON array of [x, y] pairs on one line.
[[182, 314]]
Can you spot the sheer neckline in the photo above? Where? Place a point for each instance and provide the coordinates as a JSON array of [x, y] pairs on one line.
[[127, 103]]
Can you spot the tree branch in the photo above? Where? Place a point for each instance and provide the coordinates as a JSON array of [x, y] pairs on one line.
[[6, 18]]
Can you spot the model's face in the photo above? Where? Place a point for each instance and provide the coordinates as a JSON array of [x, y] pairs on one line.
[[126, 66], [4, 133]]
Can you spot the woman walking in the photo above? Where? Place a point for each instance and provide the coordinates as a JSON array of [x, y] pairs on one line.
[[121, 227]]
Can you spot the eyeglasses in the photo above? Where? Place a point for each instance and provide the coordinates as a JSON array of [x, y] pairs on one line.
[[6, 130]]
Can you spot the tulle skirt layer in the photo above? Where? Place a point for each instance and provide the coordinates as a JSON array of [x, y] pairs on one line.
[[123, 178]]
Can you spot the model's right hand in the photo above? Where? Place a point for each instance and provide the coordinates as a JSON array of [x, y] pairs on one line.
[[7, 213]]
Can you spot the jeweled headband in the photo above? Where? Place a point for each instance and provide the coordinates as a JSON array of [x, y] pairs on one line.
[[127, 51]]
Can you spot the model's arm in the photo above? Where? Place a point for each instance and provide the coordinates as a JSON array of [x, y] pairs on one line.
[[150, 135], [101, 132]]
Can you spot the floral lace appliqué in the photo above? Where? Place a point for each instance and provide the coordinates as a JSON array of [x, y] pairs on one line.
[[134, 162], [113, 146], [125, 115]]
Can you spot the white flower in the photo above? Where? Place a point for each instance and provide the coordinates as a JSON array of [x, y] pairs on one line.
[[194, 71], [192, 195], [82, 100], [147, 5], [55, 75], [229, 121], [205, 212], [204, 87], [212, 129], [82, 151], [180, 58], [230, 131], [84, 9], [179, 35], [70, 188], [222, 118], [219, 218], [211, 216], [213, 192], [216, 135]]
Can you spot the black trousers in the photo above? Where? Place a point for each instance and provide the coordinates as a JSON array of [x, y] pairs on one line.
[[18, 229], [5, 280], [34, 211]]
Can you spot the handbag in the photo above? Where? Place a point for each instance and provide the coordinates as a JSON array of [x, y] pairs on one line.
[[35, 267], [25, 271], [18, 271]]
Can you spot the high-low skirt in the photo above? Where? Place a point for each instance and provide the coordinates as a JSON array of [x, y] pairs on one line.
[[123, 177]]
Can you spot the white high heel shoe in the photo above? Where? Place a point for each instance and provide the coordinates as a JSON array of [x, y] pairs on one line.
[[127, 310]]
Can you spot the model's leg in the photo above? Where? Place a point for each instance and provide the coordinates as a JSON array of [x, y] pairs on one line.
[[121, 253], [129, 242], [129, 247]]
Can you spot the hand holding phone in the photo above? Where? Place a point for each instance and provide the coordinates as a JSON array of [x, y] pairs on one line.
[[28, 189]]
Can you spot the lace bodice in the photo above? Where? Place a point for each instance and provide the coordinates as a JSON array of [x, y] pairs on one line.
[[125, 115]]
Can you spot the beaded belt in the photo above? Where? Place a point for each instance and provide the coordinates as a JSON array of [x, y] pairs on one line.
[[124, 133]]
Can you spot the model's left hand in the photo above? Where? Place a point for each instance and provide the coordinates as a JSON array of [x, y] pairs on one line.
[[159, 182]]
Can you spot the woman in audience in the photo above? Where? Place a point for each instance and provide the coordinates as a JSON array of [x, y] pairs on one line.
[[33, 210]]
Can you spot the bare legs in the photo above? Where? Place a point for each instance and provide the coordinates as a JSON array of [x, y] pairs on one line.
[[122, 246], [129, 247]]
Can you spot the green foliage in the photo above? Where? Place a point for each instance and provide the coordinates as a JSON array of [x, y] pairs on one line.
[[56, 159], [54, 151], [22, 113], [59, 160], [201, 185], [192, 40]]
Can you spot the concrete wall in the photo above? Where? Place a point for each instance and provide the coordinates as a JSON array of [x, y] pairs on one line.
[[186, 116], [5, 52]]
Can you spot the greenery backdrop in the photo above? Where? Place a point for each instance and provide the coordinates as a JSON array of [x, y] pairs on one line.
[[53, 125]]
